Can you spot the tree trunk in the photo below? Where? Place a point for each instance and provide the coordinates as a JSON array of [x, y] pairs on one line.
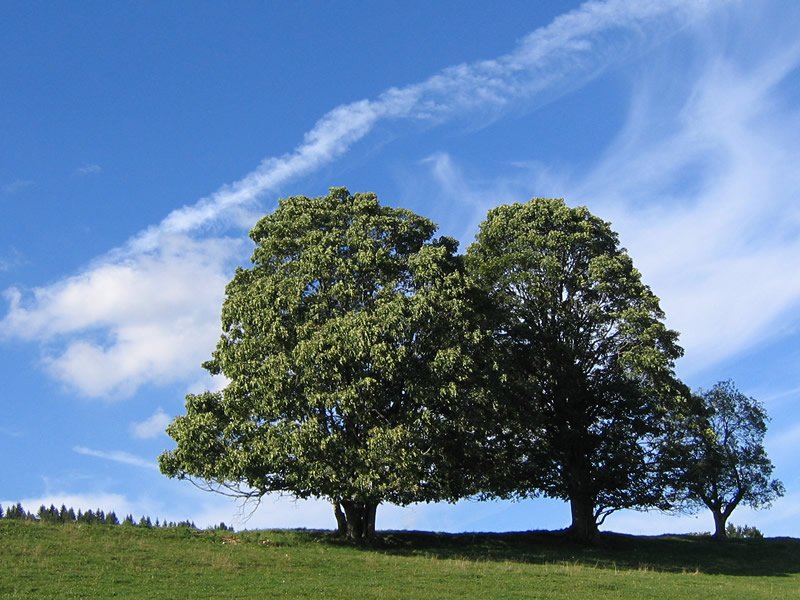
[[583, 527], [720, 520], [369, 520], [360, 519], [581, 502], [341, 519]]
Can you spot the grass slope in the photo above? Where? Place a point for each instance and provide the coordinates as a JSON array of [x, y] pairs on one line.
[[85, 561]]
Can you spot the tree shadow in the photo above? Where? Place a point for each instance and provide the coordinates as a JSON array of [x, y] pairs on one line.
[[667, 553]]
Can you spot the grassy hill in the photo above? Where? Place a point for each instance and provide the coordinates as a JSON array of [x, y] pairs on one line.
[[95, 561]]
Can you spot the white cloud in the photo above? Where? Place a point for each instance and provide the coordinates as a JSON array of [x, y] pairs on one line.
[[16, 186], [117, 456], [151, 427], [703, 187], [89, 501], [203, 509], [708, 204], [139, 288], [208, 382], [462, 200], [574, 48], [782, 395], [282, 511], [120, 504], [11, 260], [152, 317], [89, 169], [273, 512], [147, 312]]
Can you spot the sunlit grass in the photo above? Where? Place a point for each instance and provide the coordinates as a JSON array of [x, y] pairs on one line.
[[94, 561]]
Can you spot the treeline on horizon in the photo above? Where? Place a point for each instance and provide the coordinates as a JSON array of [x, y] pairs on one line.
[[67, 516], [64, 515]]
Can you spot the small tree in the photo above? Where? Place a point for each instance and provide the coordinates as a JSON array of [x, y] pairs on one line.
[[745, 532], [717, 456], [345, 346], [48, 515], [17, 512]]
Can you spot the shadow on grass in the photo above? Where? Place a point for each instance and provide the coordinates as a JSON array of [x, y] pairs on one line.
[[668, 553]]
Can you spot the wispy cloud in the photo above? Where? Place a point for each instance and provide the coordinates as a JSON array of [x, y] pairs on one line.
[[148, 311], [573, 49], [462, 198], [705, 196], [10, 432], [117, 456], [790, 394], [11, 260], [785, 441], [6, 264], [151, 427], [701, 183], [16, 186], [89, 169]]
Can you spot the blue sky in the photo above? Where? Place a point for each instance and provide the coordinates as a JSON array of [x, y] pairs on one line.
[[140, 141]]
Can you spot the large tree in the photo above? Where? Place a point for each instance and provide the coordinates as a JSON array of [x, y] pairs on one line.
[[583, 358], [717, 455], [346, 350]]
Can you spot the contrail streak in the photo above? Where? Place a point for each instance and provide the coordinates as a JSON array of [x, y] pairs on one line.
[[569, 51]]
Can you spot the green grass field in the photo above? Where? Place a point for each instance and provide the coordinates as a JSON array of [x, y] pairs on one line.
[[95, 561]]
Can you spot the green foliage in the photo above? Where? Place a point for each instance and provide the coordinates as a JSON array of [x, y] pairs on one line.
[[64, 516], [717, 458], [49, 515], [583, 361], [17, 512], [743, 532], [346, 350]]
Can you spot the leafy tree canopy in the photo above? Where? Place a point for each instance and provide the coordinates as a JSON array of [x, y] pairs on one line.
[[346, 350], [585, 362]]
